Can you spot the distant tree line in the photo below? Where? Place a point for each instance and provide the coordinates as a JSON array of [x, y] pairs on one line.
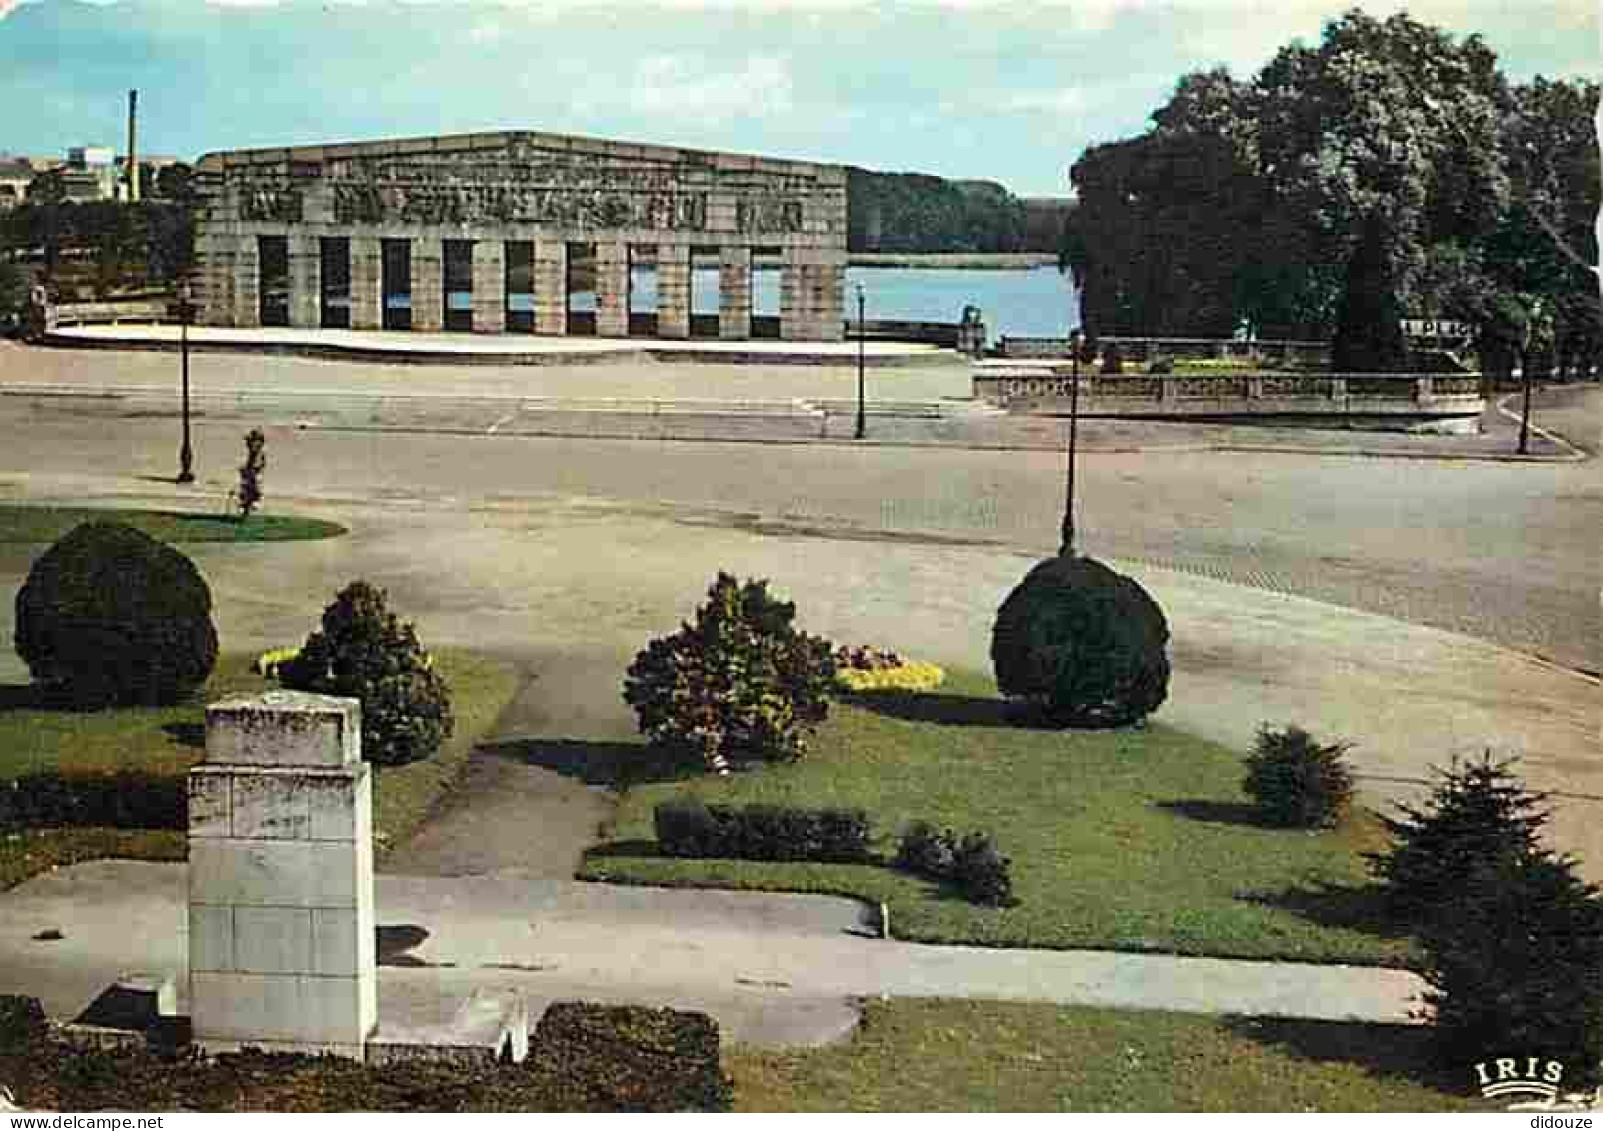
[[919, 213], [1391, 171], [103, 246]]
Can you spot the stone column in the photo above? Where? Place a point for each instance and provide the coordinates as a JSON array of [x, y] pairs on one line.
[[673, 290], [810, 296], [367, 283], [214, 262], [428, 284], [281, 929], [489, 287], [247, 282], [550, 287], [612, 289], [734, 292], [305, 281]]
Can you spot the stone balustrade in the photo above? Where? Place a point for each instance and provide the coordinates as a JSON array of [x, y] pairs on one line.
[[1144, 348], [1452, 401]]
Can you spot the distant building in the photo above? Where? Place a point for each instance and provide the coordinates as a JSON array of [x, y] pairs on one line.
[[90, 172], [16, 174]]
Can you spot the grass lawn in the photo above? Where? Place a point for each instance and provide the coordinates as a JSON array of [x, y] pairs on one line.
[[1130, 839], [44, 524], [166, 741], [915, 1055]]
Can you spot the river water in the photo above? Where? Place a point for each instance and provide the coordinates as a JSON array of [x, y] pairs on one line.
[[1023, 302]]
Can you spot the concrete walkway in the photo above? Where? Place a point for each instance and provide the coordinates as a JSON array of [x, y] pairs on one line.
[[774, 969], [421, 348]]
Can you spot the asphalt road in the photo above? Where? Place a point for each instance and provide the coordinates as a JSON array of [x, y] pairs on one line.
[[1503, 552]]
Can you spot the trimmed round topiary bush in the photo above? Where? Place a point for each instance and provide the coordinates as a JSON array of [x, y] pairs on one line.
[[109, 616], [364, 651], [1297, 781], [1085, 645]]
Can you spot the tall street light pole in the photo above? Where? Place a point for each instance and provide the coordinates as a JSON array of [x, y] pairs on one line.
[[861, 330], [186, 454], [1066, 550]]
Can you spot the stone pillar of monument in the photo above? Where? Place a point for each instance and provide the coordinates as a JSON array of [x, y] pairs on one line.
[[489, 287], [612, 289], [428, 284], [674, 282], [810, 292], [281, 927], [305, 281], [367, 283], [550, 287], [214, 265], [734, 292], [247, 287]]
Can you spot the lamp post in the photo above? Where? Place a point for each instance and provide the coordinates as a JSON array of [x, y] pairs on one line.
[[861, 329], [186, 454], [1066, 550]]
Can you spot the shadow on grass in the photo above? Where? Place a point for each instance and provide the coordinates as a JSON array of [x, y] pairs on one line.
[[944, 710], [614, 765], [186, 734], [1354, 907], [626, 849], [1397, 1052], [1238, 813]]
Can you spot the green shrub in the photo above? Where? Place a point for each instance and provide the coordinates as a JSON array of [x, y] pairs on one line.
[[926, 851], [1515, 963], [1085, 645], [366, 652], [1160, 364], [629, 1058], [109, 616], [1297, 781], [740, 682], [251, 471], [981, 872], [1478, 813], [973, 865], [687, 827]]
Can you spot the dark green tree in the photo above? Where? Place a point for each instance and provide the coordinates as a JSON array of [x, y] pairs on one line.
[[1369, 319]]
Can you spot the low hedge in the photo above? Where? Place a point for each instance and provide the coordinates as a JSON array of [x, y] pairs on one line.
[[688, 827], [629, 1058], [128, 799], [581, 1058]]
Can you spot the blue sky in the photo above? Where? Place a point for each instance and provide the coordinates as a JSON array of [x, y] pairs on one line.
[[1002, 89]]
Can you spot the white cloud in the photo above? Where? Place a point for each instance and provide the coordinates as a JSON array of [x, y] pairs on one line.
[[1066, 100], [673, 85], [485, 32]]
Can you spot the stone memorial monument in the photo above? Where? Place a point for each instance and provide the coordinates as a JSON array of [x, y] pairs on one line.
[[281, 921]]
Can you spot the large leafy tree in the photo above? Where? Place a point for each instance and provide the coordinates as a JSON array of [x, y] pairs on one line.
[[1390, 154]]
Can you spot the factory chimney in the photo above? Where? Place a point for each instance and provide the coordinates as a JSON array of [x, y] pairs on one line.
[[133, 152]]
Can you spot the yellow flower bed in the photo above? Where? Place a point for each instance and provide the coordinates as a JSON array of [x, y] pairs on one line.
[[267, 663], [911, 676]]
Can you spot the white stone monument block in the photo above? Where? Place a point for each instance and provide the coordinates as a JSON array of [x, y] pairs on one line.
[[281, 931]]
